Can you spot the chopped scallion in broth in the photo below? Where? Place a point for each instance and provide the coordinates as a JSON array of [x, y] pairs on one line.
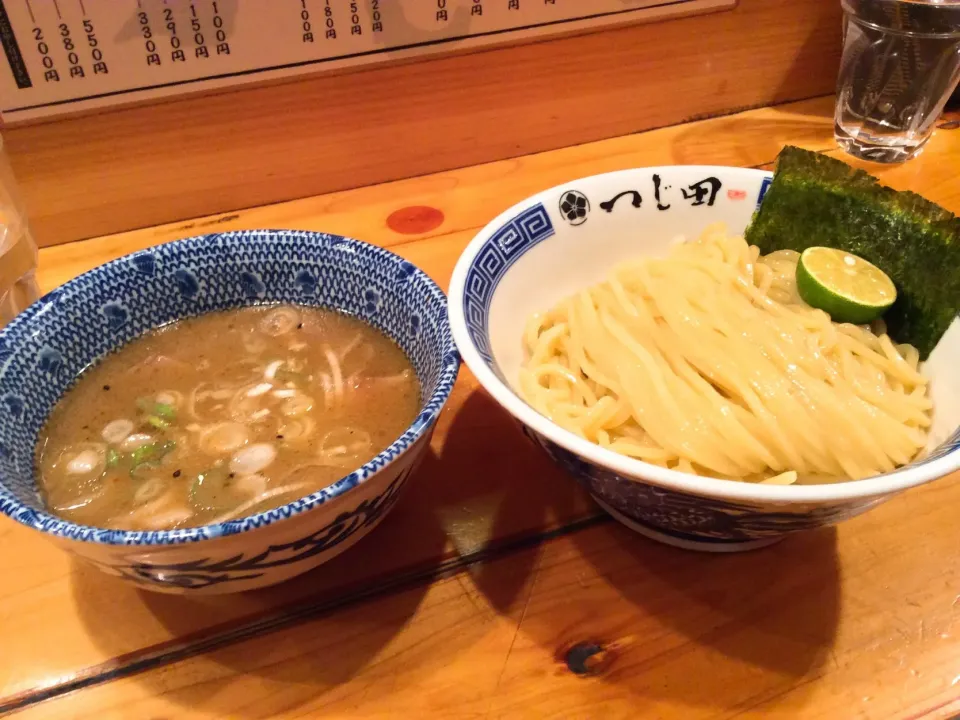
[[222, 416]]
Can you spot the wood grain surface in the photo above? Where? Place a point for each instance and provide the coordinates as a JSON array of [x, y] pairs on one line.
[[137, 167], [493, 564], [858, 622]]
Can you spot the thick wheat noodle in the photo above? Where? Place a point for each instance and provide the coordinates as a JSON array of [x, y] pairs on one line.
[[707, 361], [683, 356]]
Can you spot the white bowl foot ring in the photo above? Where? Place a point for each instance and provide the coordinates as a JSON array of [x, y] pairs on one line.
[[705, 546]]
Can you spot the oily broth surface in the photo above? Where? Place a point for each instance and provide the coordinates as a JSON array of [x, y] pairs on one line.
[[223, 416]]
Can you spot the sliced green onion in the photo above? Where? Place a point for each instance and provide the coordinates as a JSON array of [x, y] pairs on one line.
[[150, 454], [144, 453], [158, 422], [152, 407], [165, 411]]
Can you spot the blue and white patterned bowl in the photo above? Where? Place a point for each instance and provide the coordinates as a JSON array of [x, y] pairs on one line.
[[568, 237], [44, 349]]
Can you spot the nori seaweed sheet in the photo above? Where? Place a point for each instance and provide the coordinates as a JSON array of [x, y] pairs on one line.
[[816, 200]]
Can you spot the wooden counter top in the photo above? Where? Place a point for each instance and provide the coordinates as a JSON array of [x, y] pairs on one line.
[[466, 602]]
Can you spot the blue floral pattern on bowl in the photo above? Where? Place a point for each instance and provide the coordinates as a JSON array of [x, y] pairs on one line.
[[207, 572], [44, 349], [691, 518]]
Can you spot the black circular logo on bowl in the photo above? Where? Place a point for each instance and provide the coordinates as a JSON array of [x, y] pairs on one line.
[[574, 206]]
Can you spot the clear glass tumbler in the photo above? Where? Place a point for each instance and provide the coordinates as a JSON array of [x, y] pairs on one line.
[[18, 252], [901, 61]]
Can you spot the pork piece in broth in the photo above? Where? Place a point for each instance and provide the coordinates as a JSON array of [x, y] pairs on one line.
[[223, 416]]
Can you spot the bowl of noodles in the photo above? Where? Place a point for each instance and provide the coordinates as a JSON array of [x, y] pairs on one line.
[[672, 369]]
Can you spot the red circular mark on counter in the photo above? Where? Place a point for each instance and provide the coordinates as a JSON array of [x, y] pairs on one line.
[[415, 219]]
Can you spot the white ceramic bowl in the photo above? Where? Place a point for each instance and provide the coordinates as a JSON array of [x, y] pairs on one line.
[[569, 237], [48, 345]]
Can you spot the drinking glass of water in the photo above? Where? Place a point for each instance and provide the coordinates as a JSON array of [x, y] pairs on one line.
[[901, 62], [18, 252]]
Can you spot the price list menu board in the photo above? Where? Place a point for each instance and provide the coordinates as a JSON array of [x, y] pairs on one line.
[[70, 55]]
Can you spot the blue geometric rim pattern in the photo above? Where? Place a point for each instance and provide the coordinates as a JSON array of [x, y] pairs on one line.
[[491, 263], [46, 347]]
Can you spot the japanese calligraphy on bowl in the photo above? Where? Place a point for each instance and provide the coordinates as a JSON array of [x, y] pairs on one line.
[[701, 192]]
